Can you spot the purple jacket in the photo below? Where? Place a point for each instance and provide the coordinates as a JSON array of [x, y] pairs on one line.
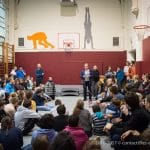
[[78, 135]]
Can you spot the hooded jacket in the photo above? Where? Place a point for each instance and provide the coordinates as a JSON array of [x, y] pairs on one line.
[[78, 135], [22, 115]]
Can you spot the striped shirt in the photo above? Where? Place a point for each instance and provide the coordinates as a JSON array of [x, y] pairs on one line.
[[98, 125]]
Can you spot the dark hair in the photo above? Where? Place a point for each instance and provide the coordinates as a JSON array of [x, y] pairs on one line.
[[96, 108], [27, 103], [114, 89], [6, 123], [148, 98], [38, 91], [92, 145], [29, 94], [63, 141], [2, 103], [79, 107], [73, 120], [57, 102], [41, 142], [61, 110], [116, 102], [1, 147], [145, 137], [132, 100], [46, 121]]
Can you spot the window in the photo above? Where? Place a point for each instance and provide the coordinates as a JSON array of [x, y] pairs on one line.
[[4, 18], [3, 22]]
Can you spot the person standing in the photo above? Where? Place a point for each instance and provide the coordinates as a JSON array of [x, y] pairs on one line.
[[50, 89], [39, 73], [120, 77], [85, 75], [95, 79]]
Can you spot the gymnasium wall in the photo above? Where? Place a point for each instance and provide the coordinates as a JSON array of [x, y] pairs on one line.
[[65, 67], [49, 17], [145, 67]]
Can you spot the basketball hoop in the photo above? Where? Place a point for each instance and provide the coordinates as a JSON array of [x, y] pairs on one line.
[[68, 46], [140, 31]]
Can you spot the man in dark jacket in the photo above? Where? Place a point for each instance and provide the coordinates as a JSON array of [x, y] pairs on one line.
[[95, 79], [39, 73]]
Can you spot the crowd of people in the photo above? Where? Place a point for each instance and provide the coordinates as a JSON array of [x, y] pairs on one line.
[[120, 102]]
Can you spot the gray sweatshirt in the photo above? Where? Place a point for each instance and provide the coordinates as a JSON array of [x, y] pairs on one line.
[[22, 115]]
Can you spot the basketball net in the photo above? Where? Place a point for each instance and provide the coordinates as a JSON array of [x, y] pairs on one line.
[[140, 31], [68, 46]]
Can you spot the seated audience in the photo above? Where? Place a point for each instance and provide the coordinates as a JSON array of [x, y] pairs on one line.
[[138, 121], [10, 137]]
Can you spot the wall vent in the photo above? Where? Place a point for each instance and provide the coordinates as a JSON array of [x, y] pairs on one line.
[[115, 41], [20, 41]]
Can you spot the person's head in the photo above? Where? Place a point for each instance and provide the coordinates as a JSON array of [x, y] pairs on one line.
[[73, 120], [92, 145], [15, 67], [20, 68], [46, 121], [113, 90], [96, 108], [41, 142], [147, 102], [39, 91], [118, 68], [39, 66], [63, 141], [50, 79], [79, 107], [27, 103], [14, 100], [109, 82], [132, 101], [86, 66], [95, 67], [80, 104], [6, 123], [58, 102], [1, 104], [109, 68], [12, 81], [145, 138], [61, 109], [29, 94], [1, 147], [116, 102]]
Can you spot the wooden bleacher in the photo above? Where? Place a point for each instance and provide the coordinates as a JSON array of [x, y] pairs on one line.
[[7, 58]]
